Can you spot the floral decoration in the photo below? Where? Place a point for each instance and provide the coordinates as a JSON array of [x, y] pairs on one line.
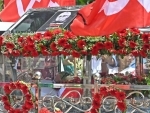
[[63, 42], [6, 99], [120, 78], [109, 91]]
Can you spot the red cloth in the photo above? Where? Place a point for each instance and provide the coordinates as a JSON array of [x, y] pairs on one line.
[[6, 2], [107, 17], [19, 7]]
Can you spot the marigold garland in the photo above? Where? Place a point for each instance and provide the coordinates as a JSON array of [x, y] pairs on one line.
[[28, 102], [63, 42], [108, 91]]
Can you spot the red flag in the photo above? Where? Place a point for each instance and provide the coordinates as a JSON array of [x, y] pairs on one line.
[[19, 7], [113, 16], [6, 2]]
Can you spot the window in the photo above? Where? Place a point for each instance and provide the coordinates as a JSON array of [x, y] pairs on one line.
[[33, 21]]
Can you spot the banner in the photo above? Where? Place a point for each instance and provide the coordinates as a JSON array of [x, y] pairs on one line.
[[16, 8], [111, 17]]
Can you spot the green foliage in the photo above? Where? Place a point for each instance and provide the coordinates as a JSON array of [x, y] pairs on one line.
[[83, 2], [1, 4]]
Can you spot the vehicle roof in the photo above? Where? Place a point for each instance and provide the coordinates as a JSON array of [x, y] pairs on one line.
[[56, 8], [5, 25]]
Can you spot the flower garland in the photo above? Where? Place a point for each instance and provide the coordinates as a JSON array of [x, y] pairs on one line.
[[108, 91], [63, 42], [28, 102]]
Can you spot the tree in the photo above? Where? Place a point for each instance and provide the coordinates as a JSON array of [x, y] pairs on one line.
[[83, 2], [1, 4]]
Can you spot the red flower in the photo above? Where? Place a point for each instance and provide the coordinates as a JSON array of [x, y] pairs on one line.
[[96, 104], [53, 46], [10, 45], [55, 53], [132, 44], [69, 34], [121, 106], [75, 54], [1, 40], [18, 85], [120, 95], [94, 110], [122, 51], [62, 42], [7, 89], [20, 40], [17, 111], [121, 42], [24, 89], [112, 92], [95, 50], [7, 105], [67, 46], [97, 97], [16, 53], [122, 33], [28, 96], [25, 108], [37, 36], [57, 31], [135, 53], [30, 47], [143, 53], [81, 44], [99, 45], [103, 91], [29, 40], [48, 35], [145, 47], [45, 52], [12, 86], [25, 48], [135, 31], [145, 37], [108, 45], [34, 53], [44, 110], [28, 104], [4, 98]]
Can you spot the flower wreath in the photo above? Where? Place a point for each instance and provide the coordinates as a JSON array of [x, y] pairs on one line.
[[6, 99], [108, 91]]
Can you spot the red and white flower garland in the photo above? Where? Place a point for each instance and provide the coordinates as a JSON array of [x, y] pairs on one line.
[[108, 91], [6, 99]]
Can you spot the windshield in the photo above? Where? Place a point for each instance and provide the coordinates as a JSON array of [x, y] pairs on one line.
[[31, 22]]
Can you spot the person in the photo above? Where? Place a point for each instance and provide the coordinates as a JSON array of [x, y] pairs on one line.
[[112, 64], [104, 68], [68, 64], [96, 65]]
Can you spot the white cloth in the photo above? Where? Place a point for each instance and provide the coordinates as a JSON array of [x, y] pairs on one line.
[[62, 67], [112, 70], [96, 64]]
